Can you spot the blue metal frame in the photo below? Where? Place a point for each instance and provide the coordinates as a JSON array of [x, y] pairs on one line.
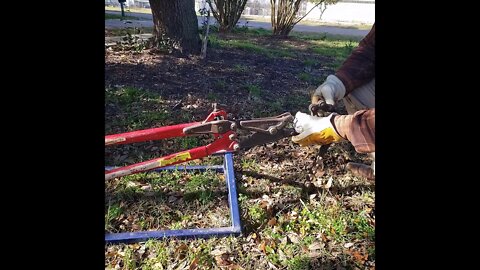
[[235, 229]]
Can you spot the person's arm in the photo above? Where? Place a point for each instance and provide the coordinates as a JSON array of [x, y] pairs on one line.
[[358, 128], [359, 68]]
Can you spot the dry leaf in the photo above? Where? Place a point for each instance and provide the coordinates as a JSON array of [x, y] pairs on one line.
[[131, 184], [146, 187], [281, 255], [218, 252], [293, 238], [272, 222], [319, 172], [293, 215], [296, 154], [312, 196], [180, 250], [324, 238], [329, 183], [262, 247], [317, 182], [234, 267], [314, 254], [272, 266], [194, 264], [359, 257], [347, 245], [316, 245], [222, 260], [141, 251]]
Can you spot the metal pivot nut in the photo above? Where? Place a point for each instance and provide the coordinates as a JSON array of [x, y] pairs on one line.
[[236, 147], [233, 126], [232, 137], [272, 130]]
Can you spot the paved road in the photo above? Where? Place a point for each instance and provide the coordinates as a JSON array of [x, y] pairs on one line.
[[146, 21]]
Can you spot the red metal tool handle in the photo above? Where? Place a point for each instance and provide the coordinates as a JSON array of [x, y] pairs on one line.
[[223, 143], [148, 134]]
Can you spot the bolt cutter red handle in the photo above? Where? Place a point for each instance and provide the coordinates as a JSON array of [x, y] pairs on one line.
[[265, 130], [223, 143]]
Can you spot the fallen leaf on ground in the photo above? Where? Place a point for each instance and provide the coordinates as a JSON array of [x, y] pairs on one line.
[[180, 250], [222, 260], [194, 264], [262, 247], [316, 245], [359, 257], [293, 238], [272, 222], [329, 183], [218, 252]]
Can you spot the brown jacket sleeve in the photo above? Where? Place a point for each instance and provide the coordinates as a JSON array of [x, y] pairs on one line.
[[359, 68], [358, 128]]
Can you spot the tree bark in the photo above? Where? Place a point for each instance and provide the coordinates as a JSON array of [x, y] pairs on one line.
[[284, 15], [227, 12], [175, 23]]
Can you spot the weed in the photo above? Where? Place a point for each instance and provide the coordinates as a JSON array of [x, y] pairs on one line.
[[250, 165], [253, 89], [305, 77], [299, 263], [257, 214], [240, 68], [113, 212], [220, 85], [309, 62]]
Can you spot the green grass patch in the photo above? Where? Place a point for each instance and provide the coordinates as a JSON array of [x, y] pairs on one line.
[[253, 89], [250, 46], [113, 212], [306, 77], [129, 108], [339, 50], [240, 68], [310, 62]]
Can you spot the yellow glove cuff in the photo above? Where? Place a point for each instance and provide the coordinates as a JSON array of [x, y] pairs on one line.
[[326, 136]]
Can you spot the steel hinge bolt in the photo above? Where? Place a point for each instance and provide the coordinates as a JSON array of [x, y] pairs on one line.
[[272, 130]]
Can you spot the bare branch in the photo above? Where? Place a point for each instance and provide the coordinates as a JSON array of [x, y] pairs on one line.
[[316, 5]]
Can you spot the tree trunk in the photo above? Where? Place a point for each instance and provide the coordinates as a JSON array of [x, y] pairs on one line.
[[227, 12], [283, 16], [175, 23]]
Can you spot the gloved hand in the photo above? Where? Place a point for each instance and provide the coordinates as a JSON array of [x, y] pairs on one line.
[[314, 130], [331, 91]]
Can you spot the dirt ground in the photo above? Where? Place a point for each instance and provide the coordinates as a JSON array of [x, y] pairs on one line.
[[247, 84]]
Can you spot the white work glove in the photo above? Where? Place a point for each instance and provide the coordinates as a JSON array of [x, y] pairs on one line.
[[331, 91], [314, 130]]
